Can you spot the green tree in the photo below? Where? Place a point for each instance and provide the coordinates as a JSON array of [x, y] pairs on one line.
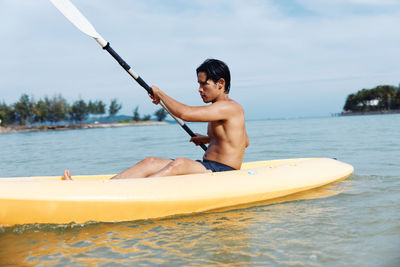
[[136, 115], [351, 103], [92, 107], [79, 110], [396, 101], [114, 108], [363, 97], [41, 111], [24, 109], [100, 107], [58, 108], [97, 107], [386, 95], [7, 115], [146, 117], [161, 114]]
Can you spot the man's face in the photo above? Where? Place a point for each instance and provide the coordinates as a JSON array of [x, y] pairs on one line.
[[208, 89]]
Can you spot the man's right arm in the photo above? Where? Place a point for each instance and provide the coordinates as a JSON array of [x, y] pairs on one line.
[[214, 112]]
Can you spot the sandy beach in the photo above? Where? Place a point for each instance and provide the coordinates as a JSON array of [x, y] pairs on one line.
[[18, 129]]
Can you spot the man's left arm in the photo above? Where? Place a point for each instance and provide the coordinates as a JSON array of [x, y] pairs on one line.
[[200, 139]]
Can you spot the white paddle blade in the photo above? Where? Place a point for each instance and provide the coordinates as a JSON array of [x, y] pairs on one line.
[[75, 17]]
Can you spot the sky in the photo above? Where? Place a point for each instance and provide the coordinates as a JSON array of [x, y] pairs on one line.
[[288, 58]]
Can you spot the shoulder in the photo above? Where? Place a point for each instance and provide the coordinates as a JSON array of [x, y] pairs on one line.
[[229, 106], [232, 104]]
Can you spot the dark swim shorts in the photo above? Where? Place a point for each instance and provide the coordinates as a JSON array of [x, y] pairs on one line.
[[215, 166]]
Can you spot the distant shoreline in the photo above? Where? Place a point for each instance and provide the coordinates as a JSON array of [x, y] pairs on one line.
[[43, 128], [377, 112]]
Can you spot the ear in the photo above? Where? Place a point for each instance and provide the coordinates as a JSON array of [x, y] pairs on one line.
[[221, 83]]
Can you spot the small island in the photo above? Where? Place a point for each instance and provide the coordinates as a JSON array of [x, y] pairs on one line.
[[383, 99], [27, 115]]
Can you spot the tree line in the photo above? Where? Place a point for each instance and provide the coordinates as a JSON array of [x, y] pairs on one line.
[[56, 109], [382, 97]]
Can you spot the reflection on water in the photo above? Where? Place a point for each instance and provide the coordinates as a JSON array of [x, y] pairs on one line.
[[208, 238]]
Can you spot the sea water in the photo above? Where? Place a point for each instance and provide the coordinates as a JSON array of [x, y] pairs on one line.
[[359, 225]]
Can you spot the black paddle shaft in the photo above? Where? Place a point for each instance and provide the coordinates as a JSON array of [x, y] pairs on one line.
[[144, 85], [127, 68]]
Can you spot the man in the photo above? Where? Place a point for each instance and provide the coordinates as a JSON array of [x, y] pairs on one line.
[[226, 134]]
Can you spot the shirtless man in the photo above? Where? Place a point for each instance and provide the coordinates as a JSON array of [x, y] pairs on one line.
[[226, 133]]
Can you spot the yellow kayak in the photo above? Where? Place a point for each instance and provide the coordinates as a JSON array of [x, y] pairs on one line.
[[29, 200]]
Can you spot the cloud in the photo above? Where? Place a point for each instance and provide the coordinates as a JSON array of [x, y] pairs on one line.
[[343, 8], [362, 2], [277, 49]]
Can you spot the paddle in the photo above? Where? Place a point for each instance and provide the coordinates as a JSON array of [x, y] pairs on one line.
[[76, 18]]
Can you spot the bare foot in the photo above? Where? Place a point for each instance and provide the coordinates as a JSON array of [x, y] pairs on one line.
[[67, 175]]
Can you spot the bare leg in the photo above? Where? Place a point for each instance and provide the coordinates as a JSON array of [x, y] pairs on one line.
[[144, 168], [180, 166], [157, 167], [67, 175]]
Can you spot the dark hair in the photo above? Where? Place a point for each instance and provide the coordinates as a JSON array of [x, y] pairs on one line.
[[216, 69]]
